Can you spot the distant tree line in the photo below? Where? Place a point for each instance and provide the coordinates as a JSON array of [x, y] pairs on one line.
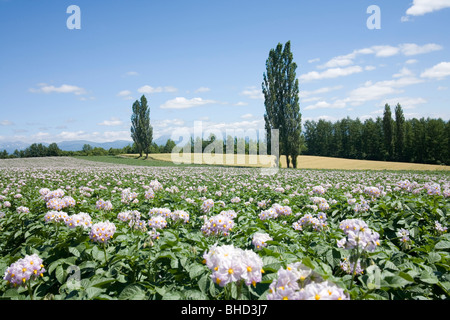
[[238, 146], [387, 138], [40, 150]]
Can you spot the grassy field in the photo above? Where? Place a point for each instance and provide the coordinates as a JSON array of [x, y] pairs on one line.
[[128, 160], [304, 162]]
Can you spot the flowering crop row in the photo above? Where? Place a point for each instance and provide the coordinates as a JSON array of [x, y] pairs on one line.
[[106, 232]]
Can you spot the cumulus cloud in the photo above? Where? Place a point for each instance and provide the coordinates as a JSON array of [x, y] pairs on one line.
[[238, 128], [125, 94], [439, 71], [304, 93], [6, 123], [330, 73], [378, 90], [65, 88], [253, 93], [202, 89], [244, 125], [149, 90], [338, 104], [167, 123], [96, 136], [412, 49], [421, 7], [405, 102], [183, 103], [112, 122], [411, 61], [405, 72], [370, 91], [382, 51], [314, 60]]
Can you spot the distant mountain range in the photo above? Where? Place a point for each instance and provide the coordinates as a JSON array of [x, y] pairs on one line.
[[77, 145]]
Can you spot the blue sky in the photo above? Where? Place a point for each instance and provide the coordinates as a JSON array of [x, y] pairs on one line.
[[204, 61]]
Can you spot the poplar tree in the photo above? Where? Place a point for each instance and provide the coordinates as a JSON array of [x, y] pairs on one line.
[[141, 130], [388, 132], [399, 133], [280, 90]]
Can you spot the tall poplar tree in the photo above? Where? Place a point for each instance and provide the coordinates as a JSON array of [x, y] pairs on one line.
[[399, 133], [280, 89], [388, 132], [141, 130]]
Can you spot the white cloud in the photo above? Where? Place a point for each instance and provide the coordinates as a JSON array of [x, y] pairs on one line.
[[244, 125], [405, 72], [65, 88], [314, 60], [338, 104], [330, 73], [124, 93], [183, 103], [411, 49], [339, 61], [247, 116], [304, 94], [132, 73], [149, 90], [239, 127], [167, 123], [383, 51], [6, 123], [438, 71], [405, 102], [112, 122], [378, 90], [421, 7], [241, 104], [304, 100], [323, 117], [253, 93], [411, 61], [348, 59], [202, 89], [107, 136], [370, 92]]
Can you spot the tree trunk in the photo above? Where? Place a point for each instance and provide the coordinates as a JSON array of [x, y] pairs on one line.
[[294, 161]]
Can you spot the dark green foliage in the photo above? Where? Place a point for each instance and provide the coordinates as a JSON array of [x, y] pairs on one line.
[[388, 133], [414, 140], [141, 130], [280, 89], [399, 133]]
